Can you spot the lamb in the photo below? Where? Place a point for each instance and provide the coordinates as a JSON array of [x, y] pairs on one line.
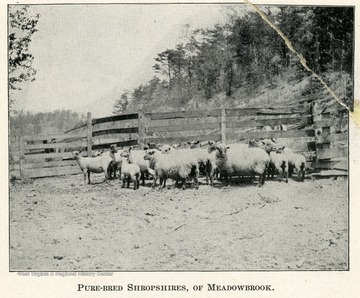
[[137, 157], [99, 164], [279, 162], [129, 172], [115, 165], [174, 166], [297, 162], [243, 161]]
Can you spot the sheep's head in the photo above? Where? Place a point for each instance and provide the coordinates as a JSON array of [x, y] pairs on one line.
[[279, 149], [149, 155], [211, 146], [221, 150], [166, 149], [153, 145], [177, 146], [76, 154], [194, 144], [113, 148]]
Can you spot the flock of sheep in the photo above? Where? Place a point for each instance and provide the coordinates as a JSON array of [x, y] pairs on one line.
[[259, 157]]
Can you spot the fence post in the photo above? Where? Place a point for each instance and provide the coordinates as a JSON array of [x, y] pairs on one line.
[[141, 129], [223, 126], [89, 134], [22, 157]]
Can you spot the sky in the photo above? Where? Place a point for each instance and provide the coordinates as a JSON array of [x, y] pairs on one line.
[[86, 55]]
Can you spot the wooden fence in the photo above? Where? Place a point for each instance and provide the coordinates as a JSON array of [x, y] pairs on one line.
[[309, 130]]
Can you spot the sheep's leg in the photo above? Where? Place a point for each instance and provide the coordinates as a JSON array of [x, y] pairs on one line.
[[183, 183], [286, 176], [164, 182], [142, 177], [291, 170], [85, 176], [128, 182], [154, 182], [196, 179], [123, 182], [262, 178]]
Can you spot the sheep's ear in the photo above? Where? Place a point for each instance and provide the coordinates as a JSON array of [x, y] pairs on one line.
[[189, 142], [227, 147], [146, 148]]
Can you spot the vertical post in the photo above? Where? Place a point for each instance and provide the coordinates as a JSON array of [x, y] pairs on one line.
[[22, 157], [223, 126], [89, 134], [141, 129]]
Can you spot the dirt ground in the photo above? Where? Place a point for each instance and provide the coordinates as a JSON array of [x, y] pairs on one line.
[[58, 224]]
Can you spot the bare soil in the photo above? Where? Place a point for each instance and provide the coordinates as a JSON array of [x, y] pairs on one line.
[[58, 224]]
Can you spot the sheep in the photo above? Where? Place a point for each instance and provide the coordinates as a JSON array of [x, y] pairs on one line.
[[241, 161], [205, 160], [297, 162], [129, 172], [174, 166], [137, 157], [115, 165], [99, 164], [279, 162]]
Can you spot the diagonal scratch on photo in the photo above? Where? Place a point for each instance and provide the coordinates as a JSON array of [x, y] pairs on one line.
[[148, 138]]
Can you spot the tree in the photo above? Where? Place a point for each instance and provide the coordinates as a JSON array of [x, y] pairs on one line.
[[121, 104], [22, 26]]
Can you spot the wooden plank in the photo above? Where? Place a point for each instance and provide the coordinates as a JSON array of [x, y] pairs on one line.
[[47, 155], [266, 111], [56, 145], [115, 118], [118, 144], [184, 114], [331, 122], [62, 137], [334, 138], [125, 130], [331, 153], [223, 126], [270, 122], [49, 172], [22, 157], [89, 134], [206, 126], [141, 129], [49, 164], [330, 173], [178, 139], [270, 134]]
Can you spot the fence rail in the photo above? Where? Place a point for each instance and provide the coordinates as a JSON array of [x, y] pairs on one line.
[[316, 129]]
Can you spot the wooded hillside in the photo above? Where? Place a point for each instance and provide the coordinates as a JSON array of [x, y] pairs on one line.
[[245, 61]]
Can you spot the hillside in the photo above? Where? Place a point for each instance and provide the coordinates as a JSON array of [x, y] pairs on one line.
[[246, 63]]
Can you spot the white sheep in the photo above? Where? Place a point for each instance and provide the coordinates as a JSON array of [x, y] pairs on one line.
[[137, 157], [99, 164], [206, 160], [129, 172], [279, 162], [115, 165], [297, 162], [175, 166], [241, 160]]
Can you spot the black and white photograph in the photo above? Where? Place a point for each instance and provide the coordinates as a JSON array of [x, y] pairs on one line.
[[179, 137]]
